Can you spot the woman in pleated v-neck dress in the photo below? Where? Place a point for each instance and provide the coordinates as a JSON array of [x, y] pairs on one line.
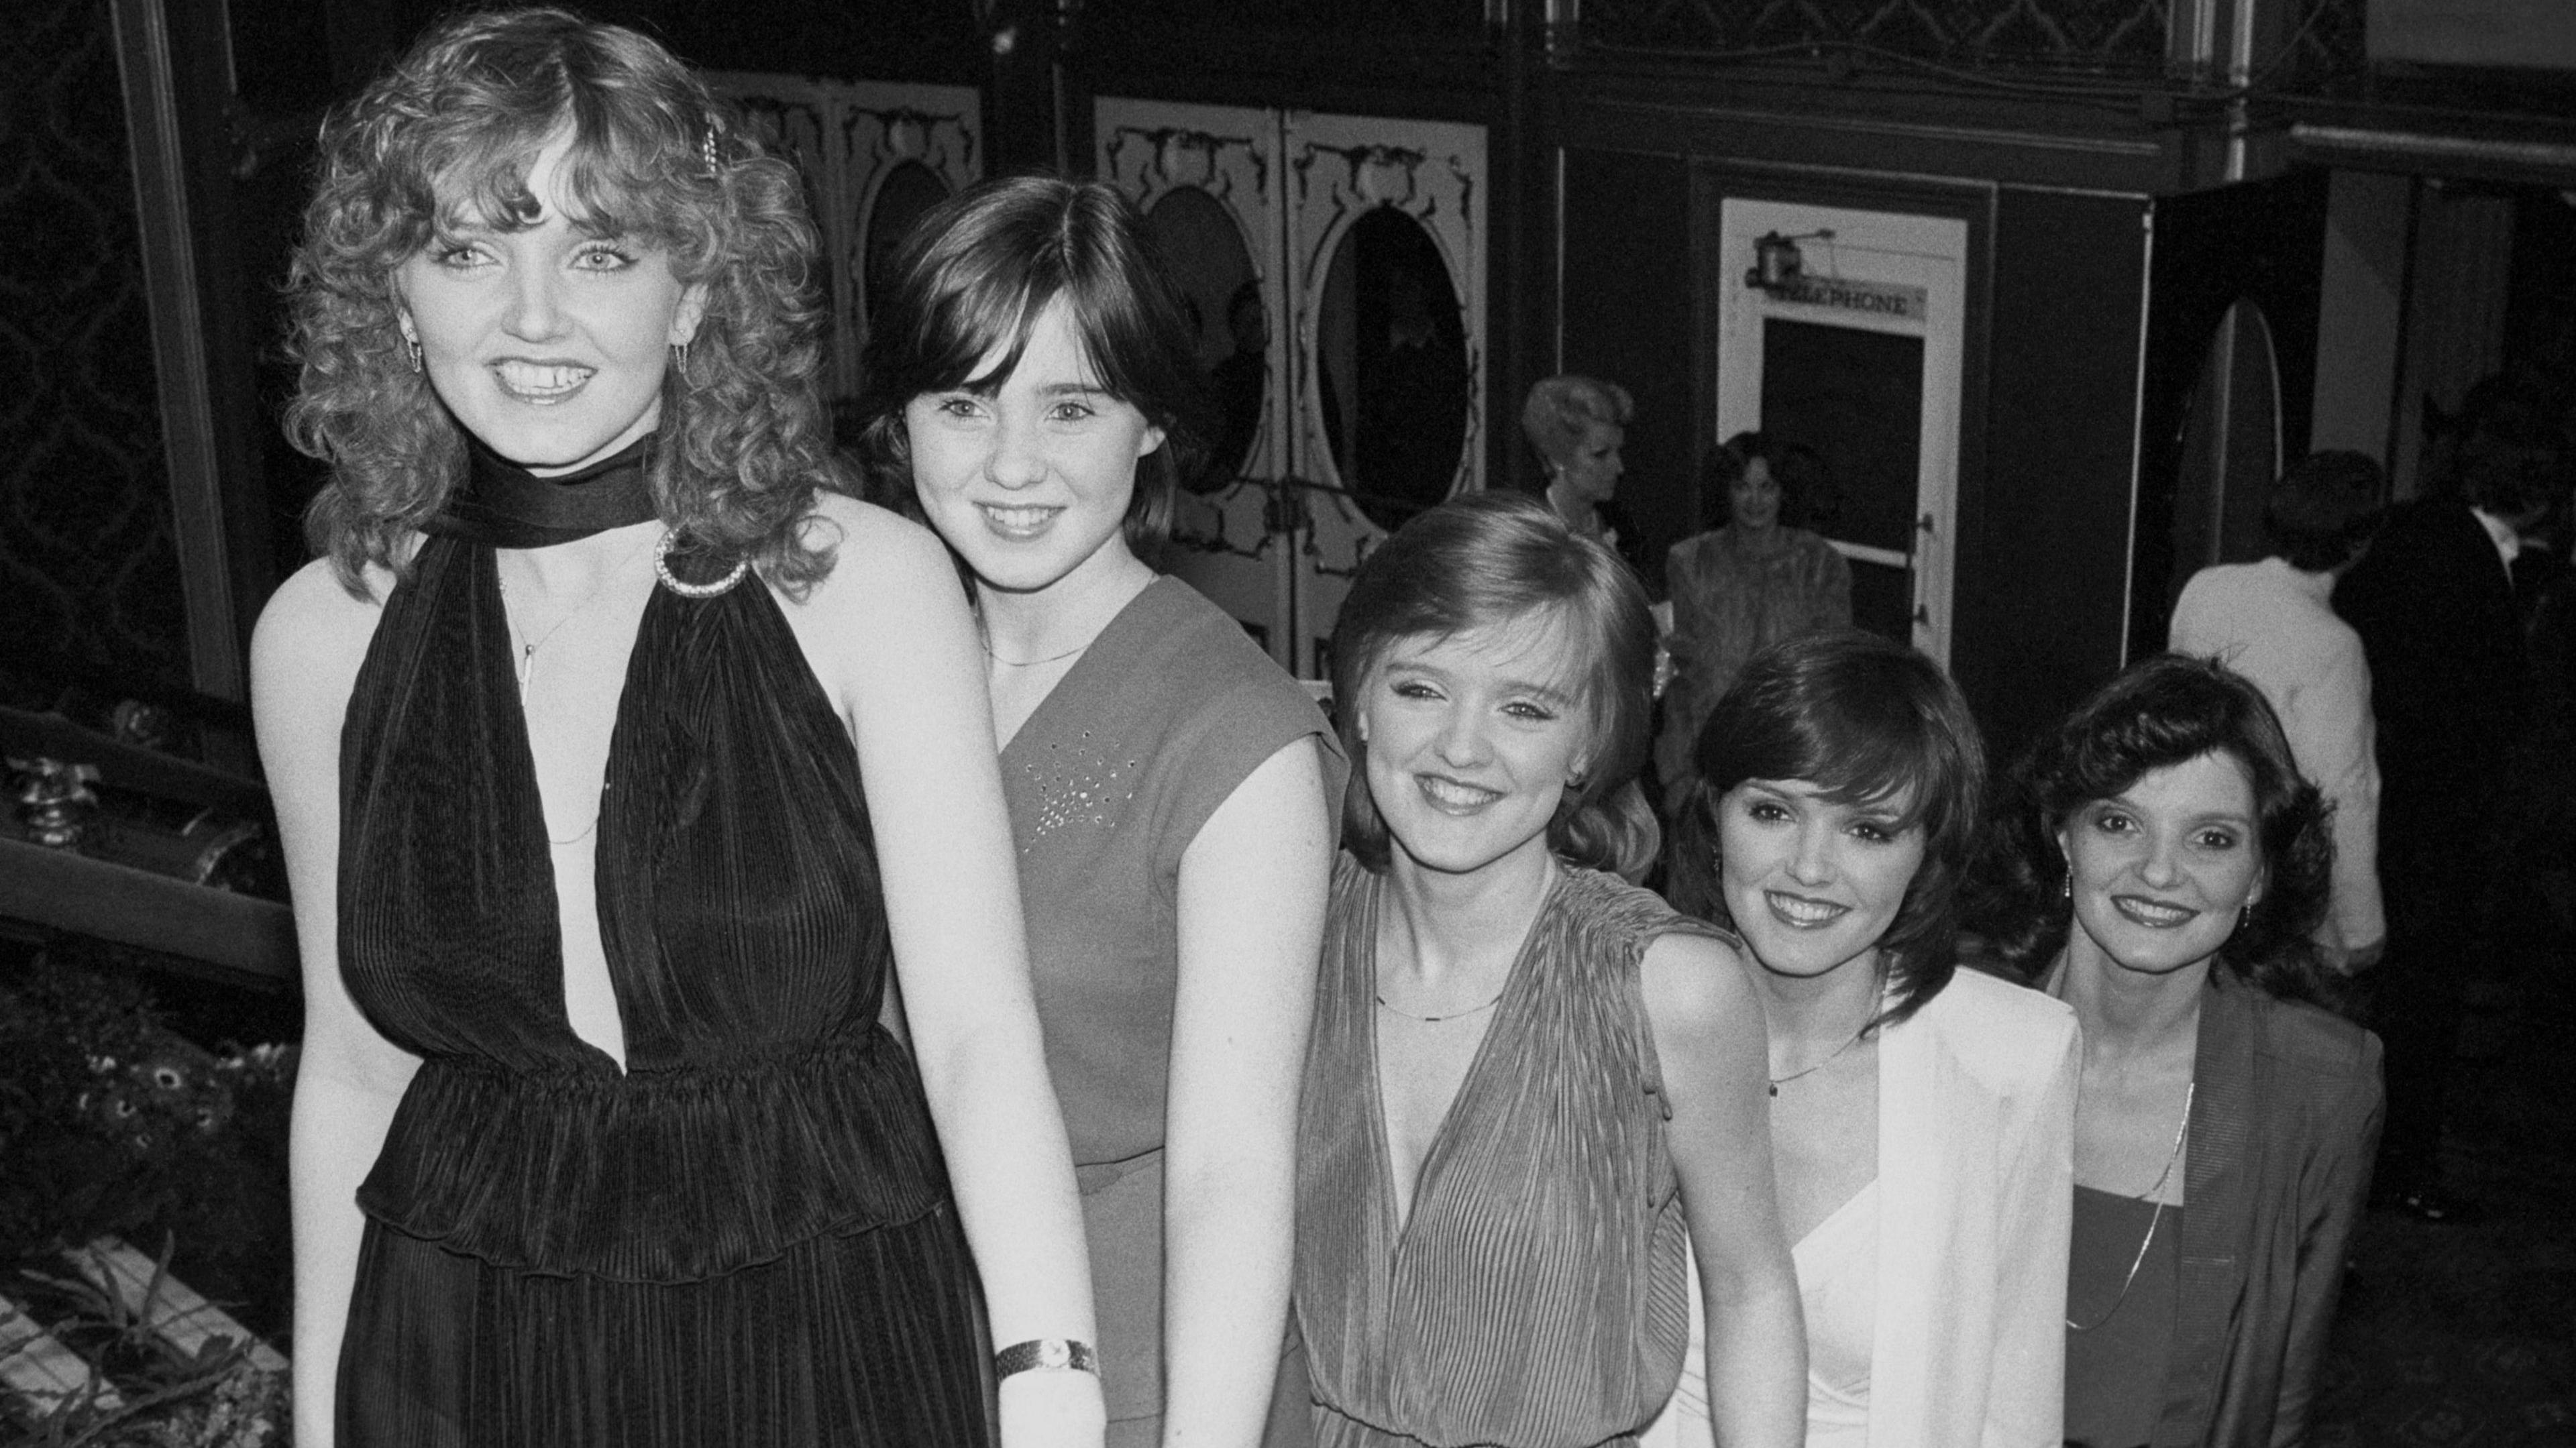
[[1531, 1083]]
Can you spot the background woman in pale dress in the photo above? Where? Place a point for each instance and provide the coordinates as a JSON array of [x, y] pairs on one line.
[[1921, 1117], [1491, 1214]]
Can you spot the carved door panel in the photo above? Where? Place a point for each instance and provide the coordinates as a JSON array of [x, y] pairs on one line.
[[1363, 241], [1851, 346], [874, 155], [1207, 179], [1387, 242]]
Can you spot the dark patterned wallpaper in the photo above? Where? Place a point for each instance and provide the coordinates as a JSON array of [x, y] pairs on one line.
[[2111, 33], [87, 565]]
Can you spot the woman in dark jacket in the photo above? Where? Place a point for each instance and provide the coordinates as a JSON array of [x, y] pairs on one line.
[[2159, 864]]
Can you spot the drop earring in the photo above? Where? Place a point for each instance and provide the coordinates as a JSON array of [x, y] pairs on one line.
[[411, 345]]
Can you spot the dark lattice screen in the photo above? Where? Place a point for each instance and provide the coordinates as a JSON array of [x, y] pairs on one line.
[[2118, 33], [86, 560]]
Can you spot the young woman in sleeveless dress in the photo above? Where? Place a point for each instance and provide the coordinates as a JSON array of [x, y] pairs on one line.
[[2160, 864], [1032, 385], [617, 761], [1531, 1083], [1920, 1116]]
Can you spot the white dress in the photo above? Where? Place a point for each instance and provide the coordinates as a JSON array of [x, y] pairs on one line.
[[1837, 1266]]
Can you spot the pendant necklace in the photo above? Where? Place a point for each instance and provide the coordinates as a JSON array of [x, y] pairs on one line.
[[527, 660], [1779, 1081], [2180, 1132]]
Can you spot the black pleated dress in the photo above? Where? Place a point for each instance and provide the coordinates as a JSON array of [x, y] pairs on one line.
[[745, 1237]]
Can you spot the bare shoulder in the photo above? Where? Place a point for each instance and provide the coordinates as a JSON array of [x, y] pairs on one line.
[[1694, 982], [881, 562], [313, 634]]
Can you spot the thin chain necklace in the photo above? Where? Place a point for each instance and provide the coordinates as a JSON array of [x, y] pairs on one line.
[[1779, 1081], [2180, 1132], [527, 660], [1028, 663], [1453, 1015]]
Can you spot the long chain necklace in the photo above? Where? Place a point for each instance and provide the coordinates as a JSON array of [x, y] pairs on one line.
[[2157, 1191], [527, 660]]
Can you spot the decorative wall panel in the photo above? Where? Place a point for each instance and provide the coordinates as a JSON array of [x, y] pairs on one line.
[[2120, 34], [873, 155], [87, 564]]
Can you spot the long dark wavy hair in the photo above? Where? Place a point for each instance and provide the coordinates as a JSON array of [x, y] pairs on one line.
[[970, 281], [2159, 712], [1486, 559], [453, 128], [1863, 720]]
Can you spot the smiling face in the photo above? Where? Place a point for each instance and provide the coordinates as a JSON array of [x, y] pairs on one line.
[[547, 341], [1592, 467], [1029, 479], [1471, 739], [1753, 500], [2161, 871], [1812, 883]]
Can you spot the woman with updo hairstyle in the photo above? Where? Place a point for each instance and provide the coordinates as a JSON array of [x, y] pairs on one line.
[[619, 760], [1532, 1085], [1920, 1115], [1032, 385], [2159, 864], [1750, 581], [1577, 425]]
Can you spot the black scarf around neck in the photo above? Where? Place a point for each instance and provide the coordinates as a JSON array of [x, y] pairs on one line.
[[503, 505]]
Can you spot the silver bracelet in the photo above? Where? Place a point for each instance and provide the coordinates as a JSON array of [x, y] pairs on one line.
[[1052, 1354]]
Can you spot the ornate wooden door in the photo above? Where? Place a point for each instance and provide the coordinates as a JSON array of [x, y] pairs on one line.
[[874, 155], [1362, 241], [1207, 178]]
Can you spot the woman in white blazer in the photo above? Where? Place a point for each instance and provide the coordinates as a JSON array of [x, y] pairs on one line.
[[1922, 1119]]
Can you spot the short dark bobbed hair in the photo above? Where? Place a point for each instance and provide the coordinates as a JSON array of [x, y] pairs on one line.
[[1489, 559], [1863, 719], [972, 278], [453, 129], [2162, 711]]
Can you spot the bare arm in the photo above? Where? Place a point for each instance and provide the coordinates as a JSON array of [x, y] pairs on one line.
[[1252, 892], [890, 629], [1709, 1036], [2026, 1400], [304, 658]]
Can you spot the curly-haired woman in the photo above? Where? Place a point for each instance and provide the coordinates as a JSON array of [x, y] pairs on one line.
[[618, 759], [2160, 865]]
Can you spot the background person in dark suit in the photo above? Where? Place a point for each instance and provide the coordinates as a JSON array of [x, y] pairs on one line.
[[2433, 602]]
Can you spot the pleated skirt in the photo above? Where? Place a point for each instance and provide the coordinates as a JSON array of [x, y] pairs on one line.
[[867, 1340]]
